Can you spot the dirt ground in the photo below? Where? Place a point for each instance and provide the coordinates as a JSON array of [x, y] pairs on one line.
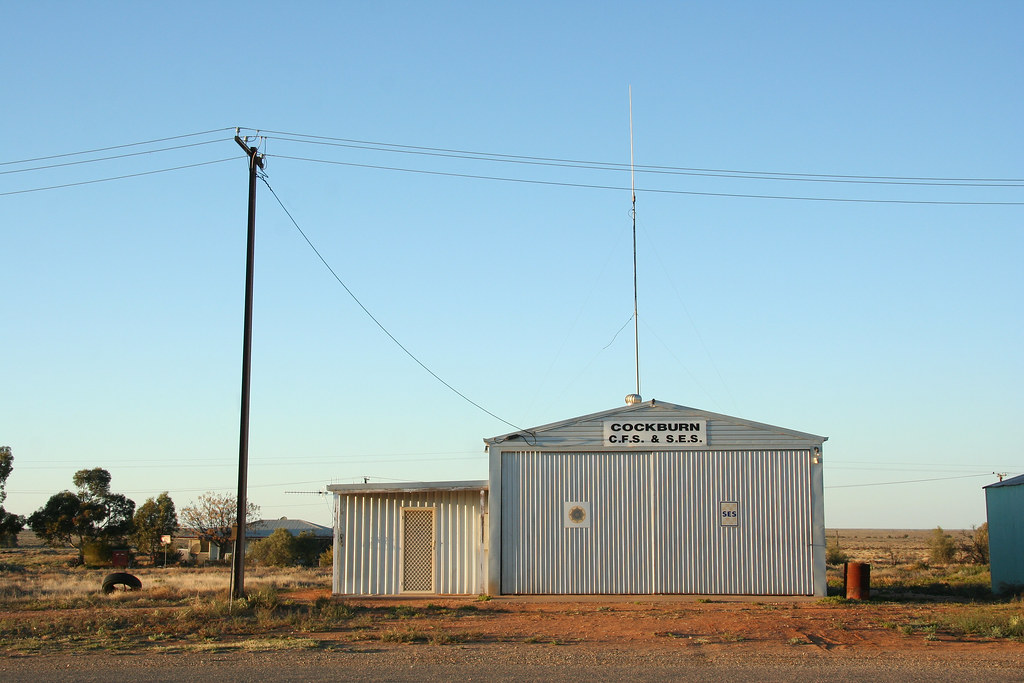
[[575, 638], [517, 639], [674, 621]]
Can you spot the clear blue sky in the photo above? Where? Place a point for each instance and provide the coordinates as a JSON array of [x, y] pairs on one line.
[[893, 328]]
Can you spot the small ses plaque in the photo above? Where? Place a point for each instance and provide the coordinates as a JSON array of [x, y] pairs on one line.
[[730, 513]]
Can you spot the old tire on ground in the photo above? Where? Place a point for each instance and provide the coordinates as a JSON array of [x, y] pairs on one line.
[[121, 581]]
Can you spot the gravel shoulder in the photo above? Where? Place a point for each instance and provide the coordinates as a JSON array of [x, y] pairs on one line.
[[508, 662]]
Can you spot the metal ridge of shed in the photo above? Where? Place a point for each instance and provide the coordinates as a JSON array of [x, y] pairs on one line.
[[1012, 481], [653, 403], [411, 487]]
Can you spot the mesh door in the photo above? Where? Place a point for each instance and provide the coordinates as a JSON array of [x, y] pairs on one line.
[[418, 550]]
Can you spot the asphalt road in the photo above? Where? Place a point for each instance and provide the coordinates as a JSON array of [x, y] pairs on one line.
[[522, 663]]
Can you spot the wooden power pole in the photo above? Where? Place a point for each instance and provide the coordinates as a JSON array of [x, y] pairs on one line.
[[238, 555]]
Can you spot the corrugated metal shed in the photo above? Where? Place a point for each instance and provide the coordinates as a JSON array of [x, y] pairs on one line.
[[1004, 502], [647, 498], [391, 539], [675, 500]]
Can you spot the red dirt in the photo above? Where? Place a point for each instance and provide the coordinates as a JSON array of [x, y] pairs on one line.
[[673, 620]]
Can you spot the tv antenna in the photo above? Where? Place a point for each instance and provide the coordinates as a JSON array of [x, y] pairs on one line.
[[634, 398]]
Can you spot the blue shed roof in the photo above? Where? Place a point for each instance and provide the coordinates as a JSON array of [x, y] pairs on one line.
[[1012, 481]]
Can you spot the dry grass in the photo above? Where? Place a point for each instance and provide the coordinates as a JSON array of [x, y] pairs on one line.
[[900, 569], [883, 546], [36, 577]]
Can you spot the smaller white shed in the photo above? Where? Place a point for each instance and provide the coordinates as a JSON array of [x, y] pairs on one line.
[[408, 538]]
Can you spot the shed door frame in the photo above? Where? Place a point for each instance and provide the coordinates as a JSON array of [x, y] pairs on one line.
[[418, 550]]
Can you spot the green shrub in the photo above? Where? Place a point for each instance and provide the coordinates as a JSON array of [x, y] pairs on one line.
[[97, 554], [276, 550], [941, 547], [835, 555], [326, 558]]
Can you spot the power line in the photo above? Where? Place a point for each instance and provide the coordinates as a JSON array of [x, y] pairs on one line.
[[275, 458], [909, 481], [546, 161], [148, 464], [616, 188], [107, 149], [116, 156], [668, 170], [441, 151], [120, 177], [931, 466], [377, 322], [176, 491]]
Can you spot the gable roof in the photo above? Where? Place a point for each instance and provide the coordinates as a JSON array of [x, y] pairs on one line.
[[731, 431], [265, 527]]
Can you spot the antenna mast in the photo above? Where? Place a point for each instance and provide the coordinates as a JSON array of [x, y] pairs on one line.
[[635, 398]]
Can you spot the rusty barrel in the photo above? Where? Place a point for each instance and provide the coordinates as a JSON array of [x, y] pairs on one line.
[[857, 580]]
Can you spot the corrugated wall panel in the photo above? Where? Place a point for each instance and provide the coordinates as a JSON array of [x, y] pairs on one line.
[[371, 542], [768, 552], [541, 555], [655, 522]]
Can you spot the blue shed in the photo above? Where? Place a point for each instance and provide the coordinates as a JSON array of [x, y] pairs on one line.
[[1004, 502]]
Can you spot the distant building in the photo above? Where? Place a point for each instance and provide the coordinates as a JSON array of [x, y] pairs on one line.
[[202, 551], [255, 531], [1004, 502]]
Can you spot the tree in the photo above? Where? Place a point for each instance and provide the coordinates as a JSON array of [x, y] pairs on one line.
[[213, 515], [60, 521], [308, 548], [93, 515], [276, 550], [92, 484], [10, 523], [153, 520], [10, 526], [282, 549], [6, 465]]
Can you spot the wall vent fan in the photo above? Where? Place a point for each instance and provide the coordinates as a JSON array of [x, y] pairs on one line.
[[577, 514]]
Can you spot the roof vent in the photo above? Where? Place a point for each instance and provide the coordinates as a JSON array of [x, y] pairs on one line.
[[633, 399]]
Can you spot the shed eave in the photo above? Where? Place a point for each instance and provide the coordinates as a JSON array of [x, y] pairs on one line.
[[653, 403], [410, 487]]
